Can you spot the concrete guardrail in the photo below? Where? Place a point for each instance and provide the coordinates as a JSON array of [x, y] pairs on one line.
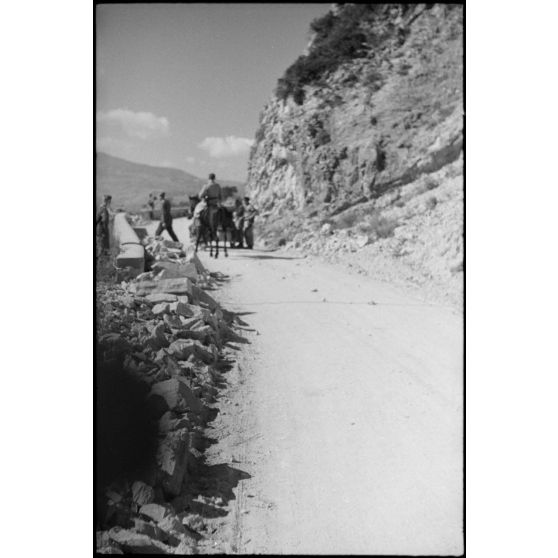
[[131, 251]]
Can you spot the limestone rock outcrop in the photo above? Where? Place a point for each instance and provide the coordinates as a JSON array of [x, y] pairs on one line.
[[341, 144]]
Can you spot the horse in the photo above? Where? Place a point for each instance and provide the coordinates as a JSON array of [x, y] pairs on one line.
[[195, 225], [209, 228], [227, 226]]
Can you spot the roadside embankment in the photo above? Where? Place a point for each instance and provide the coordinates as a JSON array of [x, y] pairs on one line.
[[162, 350]]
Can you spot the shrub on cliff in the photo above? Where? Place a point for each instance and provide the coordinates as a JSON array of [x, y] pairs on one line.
[[338, 38]]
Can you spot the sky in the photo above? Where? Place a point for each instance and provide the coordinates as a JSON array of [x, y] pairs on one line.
[[182, 85]]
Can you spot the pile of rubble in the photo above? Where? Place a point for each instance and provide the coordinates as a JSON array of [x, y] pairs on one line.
[[169, 334]]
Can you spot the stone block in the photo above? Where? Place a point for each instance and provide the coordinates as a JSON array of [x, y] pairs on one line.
[[177, 395], [142, 493], [156, 512], [137, 543], [158, 340], [173, 526], [173, 270], [187, 310], [182, 286], [161, 308], [191, 334], [191, 322], [172, 461], [109, 549], [161, 297], [145, 528], [182, 349], [193, 259], [172, 321], [167, 423], [202, 296]]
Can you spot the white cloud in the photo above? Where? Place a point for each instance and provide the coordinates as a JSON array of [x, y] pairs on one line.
[[229, 146], [190, 160], [142, 125]]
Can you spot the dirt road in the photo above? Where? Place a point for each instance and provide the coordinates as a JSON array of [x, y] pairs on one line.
[[345, 412]]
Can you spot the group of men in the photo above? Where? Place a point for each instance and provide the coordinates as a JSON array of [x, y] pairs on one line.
[[244, 215], [244, 212]]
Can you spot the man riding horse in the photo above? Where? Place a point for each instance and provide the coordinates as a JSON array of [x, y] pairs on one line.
[[211, 193], [210, 215]]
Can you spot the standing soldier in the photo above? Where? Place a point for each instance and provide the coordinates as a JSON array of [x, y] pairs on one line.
[[250, 213], [151, 204], [238, 219], [166, 219], [102, 223]]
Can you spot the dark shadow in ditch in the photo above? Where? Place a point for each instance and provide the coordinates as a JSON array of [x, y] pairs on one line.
[[213, 481], [126, 436]]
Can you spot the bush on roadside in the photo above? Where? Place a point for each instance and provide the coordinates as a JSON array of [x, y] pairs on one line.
[[378, 225]]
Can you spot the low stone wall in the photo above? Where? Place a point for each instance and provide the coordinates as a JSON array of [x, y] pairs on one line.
[[131, 251]]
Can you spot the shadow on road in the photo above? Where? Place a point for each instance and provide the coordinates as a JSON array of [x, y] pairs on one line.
[[215, 481]]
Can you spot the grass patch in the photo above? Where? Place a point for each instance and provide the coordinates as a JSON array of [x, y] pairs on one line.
[[379, 226], [346, 221]]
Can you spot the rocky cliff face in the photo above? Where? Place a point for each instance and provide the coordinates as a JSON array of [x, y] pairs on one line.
[[370, 151]]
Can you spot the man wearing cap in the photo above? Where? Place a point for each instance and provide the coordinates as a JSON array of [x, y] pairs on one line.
[[211, 192], [250, 213], [102, 223], [166, 219]]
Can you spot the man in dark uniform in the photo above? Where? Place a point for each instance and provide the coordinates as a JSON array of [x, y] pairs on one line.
[[102, 223], [151, 204], [250, 213], [166, 219], [238, 218]]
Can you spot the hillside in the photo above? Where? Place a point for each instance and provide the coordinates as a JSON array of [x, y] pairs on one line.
[[131, 183], [358, 155]]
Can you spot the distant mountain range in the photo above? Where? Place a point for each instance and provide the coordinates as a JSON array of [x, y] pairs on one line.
[[130, 184]]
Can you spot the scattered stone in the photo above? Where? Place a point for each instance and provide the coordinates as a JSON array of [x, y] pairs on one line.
[[187, 310], [173, 286], [160, 297], [109, 549], [156, 512], [362, 240], [326, 229], [161, 308], [177, 395], [173, 270], [137, 543], [145, 528], [185, 547], [168, 423], [158, 339], [142, 493], [182, 349], [173, 526], [172, 459]]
